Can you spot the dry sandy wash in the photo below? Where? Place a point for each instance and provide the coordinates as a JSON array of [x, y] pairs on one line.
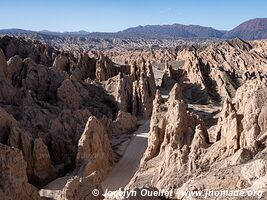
[[76, 122]]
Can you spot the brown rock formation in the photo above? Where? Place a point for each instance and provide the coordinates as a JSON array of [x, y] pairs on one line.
[[68, 94], [12, 135], [104, 68], [179, 154], [228, 127], [94, 150], [39, 166], [44, 110], [81, 188], [134, 92], [47, 96], [121, 88], [123, 124], [213, 73], [170, 77], [242, 122], [7, 91], [61, 62], [93, 160], [37, 51], [3, 64], [144, 87], [14, 182], [174, 136], [14, 65], [203, 82], [86, 68], [250, 102], [154, 55], [43, 168]]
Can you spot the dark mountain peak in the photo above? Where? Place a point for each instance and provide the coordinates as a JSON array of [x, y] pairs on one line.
[[254, 23], [250, 30]]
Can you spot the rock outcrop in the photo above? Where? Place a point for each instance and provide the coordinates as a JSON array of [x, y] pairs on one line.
[[144, 87], [84, 69], [39, 164], [43, 168], [180, 155], [213, 73], [175, 139], [3, 65], [242, 122], [14, 182], [44, 108], [81, 188], [14, 66], [104, 68], [72, 101], [93, 160], [121, 87], [61, 62], [37, 51], [134, 92], [124, 123], [94, 150]]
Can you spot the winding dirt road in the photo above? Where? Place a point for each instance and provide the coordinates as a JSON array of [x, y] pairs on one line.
[[125, 169]]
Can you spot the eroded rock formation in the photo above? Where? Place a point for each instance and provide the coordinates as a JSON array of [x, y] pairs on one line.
[[45, 107], [80, 188], [180, 155], [94, 150], [175, 139], [14, 181], [134, 92]]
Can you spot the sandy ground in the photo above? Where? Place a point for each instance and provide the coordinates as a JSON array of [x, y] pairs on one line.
[[124, 170]]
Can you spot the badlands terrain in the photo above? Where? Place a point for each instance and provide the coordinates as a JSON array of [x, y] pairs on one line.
[[157, 114]]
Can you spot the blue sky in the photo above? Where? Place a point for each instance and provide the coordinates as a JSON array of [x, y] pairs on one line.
[[115, 15]]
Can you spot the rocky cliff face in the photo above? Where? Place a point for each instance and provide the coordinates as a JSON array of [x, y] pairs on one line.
[[176, 139], [93, 161], [181, 156], [135, 91], [94, 149], [14, 181], [47, 104], [244, 116]]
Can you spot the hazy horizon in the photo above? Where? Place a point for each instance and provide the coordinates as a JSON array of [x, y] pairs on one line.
[[113, 16]]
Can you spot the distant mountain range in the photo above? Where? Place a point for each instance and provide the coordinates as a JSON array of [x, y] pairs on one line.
[[249, 30], [175, 31]]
